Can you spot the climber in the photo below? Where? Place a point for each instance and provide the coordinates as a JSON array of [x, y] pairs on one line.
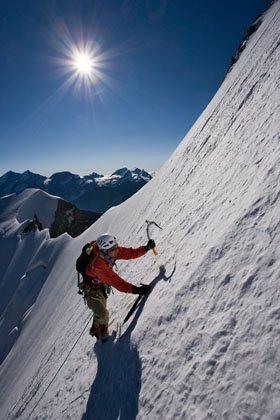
[[104, 252]]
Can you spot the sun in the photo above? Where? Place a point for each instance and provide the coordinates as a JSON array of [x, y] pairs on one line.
[[83, 63], [85, 67]]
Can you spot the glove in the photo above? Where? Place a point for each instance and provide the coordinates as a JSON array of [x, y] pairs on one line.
[[150, 245], [142, 290]]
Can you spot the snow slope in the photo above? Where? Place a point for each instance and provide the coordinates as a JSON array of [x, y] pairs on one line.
[[205, 343], [23, 259]]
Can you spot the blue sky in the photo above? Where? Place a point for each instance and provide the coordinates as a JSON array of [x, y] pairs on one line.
[[158, 63]]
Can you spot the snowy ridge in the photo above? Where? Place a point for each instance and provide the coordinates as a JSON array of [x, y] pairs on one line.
[[22, 207], [23, 261], [205, 344]]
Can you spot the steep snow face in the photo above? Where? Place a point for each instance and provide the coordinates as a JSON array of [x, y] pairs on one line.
[[24, 259], [205, 343]]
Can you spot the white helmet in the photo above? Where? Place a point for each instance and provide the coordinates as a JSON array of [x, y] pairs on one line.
[[106, 241]]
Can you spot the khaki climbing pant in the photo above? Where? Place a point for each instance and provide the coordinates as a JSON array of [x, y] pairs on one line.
[[97, 302]]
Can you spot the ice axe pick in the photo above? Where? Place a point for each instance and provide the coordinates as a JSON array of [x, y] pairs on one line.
[[149, 224]]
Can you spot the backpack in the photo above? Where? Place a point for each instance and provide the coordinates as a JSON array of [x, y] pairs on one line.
[[81, 265]]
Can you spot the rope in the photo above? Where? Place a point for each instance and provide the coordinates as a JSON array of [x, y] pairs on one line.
[[59, 369]]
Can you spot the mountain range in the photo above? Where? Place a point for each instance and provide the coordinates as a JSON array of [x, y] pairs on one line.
[[94, 192]]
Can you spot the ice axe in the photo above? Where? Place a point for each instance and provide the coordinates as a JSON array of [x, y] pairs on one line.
[[149, 224]]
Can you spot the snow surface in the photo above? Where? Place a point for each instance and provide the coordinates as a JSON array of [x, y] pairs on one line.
[[205, 343], [23, 259], [39, 202]]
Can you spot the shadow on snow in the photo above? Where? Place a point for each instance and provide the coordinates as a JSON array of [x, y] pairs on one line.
[[116, 388]]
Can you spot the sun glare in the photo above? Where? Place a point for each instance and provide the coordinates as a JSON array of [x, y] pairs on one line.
[[83, 63]]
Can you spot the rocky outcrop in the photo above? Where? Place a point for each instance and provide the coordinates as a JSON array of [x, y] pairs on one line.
[[34, 224], [253, 28], [68, 218]]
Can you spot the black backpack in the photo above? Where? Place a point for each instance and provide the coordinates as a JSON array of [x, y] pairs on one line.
[[81, 265]]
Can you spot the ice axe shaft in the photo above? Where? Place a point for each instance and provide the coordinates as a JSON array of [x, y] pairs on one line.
[[149, 224]]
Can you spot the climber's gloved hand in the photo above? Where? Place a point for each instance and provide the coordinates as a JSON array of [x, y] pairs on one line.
[[141, 290], [150, 245]]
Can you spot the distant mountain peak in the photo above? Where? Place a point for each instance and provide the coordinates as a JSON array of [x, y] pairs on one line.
[[89, 192], [94, 175], [121, 172]]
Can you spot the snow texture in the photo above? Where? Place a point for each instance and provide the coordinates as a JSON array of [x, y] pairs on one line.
[[205, 343]]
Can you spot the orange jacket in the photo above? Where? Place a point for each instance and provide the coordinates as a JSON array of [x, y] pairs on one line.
[[102, 270]]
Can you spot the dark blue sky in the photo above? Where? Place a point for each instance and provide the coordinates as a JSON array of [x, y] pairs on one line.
[[161, 63]]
